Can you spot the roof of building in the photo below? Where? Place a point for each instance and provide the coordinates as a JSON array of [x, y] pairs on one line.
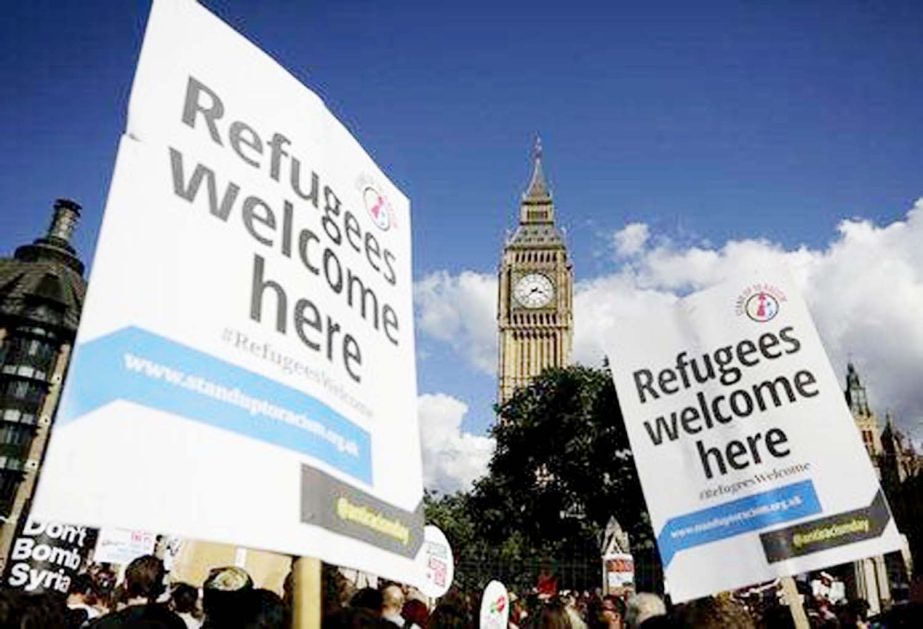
[[43, 282], [537, 189], [536, 200]]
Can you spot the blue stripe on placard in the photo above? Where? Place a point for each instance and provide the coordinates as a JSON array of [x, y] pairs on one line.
[[752, 513], [147, 369]]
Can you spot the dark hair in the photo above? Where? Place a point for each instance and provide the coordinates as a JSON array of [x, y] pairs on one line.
[[355, 618], [268, 611], [449, 615], [184, 597], [32, 611], [226, 597], [617, 603], [554, 616], [415, 611], [144, 577], [367, 598], [82, 584], [714, 612]]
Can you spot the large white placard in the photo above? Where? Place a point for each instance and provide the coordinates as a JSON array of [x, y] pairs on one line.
[[244, 370], [750, 461]]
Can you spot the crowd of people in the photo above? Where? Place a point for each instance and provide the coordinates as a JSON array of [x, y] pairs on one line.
[[228, 599], [371, 608]]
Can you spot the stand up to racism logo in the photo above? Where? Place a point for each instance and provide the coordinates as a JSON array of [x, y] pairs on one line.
[[760, 302]]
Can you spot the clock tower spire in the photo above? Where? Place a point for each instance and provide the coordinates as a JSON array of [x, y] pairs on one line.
[[535, 309]]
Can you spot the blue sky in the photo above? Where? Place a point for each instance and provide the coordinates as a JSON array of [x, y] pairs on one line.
[[722, 130]]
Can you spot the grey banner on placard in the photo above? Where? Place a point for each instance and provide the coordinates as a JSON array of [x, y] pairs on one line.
[[341, 508], [828, 532]]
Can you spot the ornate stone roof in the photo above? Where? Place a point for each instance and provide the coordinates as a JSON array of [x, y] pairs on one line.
[[536, 227], [856, 397], [43, 282], [537, 191]]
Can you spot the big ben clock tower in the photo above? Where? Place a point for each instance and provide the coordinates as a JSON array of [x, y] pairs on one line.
[[535, 311]]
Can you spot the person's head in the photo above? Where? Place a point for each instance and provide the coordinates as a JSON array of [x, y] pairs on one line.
[[715, 612], [611, 611], [355, 618], [32, 611], [415, 611], [367, 598], [82, 590], [451, 614], [183, 598], [144, 578], [641, 607], [226, 596], [268, 611], [392, 599], [554, 615]]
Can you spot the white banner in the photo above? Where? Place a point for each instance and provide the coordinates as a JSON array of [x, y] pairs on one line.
[[122, 546], [743, 442], [244, 370]]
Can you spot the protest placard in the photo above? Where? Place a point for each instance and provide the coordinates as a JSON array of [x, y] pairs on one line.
[[46, 556], [495, 606], [437, 563], [751, 463], [244, 370]]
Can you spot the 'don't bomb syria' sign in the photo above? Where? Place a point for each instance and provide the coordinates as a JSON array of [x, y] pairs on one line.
[[45, 557]]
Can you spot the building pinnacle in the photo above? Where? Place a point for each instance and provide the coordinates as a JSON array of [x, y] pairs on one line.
[[538, 188]]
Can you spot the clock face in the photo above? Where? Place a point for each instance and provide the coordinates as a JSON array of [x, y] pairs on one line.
[[533, 290]]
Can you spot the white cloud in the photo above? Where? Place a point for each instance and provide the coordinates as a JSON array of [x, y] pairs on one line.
[[865, 291], [452, 458], [461, 310], [597, 302], [864, 288], [630, 240]]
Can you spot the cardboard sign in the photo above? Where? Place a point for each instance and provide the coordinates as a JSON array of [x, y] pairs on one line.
[[438, 565], [744, 444], [620, 570], [46, 557], [244, 370], [495, 606], [122, 546]]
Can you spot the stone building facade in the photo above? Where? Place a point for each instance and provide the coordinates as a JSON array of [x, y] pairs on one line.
[[536, 290], [41, 295], [877, 579]]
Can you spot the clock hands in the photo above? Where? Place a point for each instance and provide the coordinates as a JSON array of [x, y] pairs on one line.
[[534, 291]]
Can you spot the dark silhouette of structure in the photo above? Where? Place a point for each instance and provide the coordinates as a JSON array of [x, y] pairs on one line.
[[41, 296]]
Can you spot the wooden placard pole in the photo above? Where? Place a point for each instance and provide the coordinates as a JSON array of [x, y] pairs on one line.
[[799, 618], [306, 593]]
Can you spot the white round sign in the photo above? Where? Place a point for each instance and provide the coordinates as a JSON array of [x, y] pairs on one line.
[[495, 606], [437, 563]]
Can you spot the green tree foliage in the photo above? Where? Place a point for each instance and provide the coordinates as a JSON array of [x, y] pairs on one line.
[[562, 463], [478, 559], [562, 467]]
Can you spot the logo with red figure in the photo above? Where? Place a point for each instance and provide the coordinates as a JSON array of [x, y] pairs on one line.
[[378, 208], [760, 302]]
